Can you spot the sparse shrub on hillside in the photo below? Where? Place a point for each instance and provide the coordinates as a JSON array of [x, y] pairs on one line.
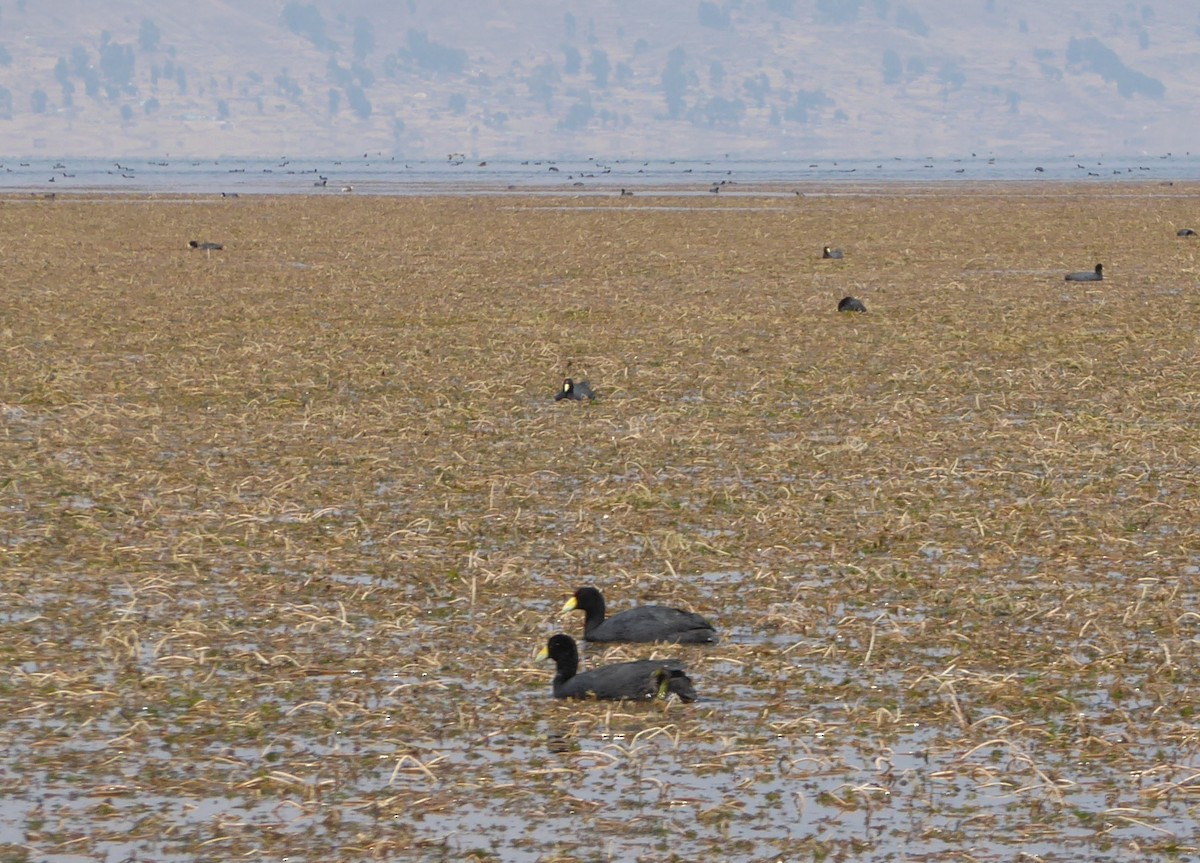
[[433, 57], [711, 15], [716, 74], [542, 82], [1092, 55], [892, 67], [288, 86], [338, 76], [757, 88], [359, 103], [306, 20], [598, 68], [148, 35], [952, 76], [803, 102], [364, 39], [578, 116], [39, 101], [911, 20], [838, 11], [674, 82], [718, 111], [572, 60]]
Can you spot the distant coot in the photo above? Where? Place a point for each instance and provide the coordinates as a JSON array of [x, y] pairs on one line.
[[575, 392], [850, 304], [640, 680], [831, 253], [1096, 275], [642, 624], [206, 247], [1185, 232]]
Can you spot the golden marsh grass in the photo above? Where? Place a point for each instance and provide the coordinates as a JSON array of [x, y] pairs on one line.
[[285, 524]]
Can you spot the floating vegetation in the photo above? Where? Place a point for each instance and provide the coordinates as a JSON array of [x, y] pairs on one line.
[[283, 527]]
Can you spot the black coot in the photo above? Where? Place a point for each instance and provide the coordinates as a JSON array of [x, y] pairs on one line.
[[1096, 275], [640, 680], [576, 392], [645, 623]]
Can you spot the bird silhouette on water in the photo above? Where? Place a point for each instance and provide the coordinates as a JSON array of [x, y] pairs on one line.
[[1185, 232], [576, 392], [1096, 275], [850, 304], [205, 247], [640, 680], [831, 254], [642, 624]]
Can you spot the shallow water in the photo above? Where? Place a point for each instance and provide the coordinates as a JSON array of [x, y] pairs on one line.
[[389, 176]]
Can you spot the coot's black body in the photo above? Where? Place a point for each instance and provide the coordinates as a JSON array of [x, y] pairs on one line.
[[1096, 275], [643, 624], [640, 680], [576, 392]]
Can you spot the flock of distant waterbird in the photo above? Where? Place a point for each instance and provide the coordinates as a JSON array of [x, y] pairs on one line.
[[646, 679], [638, 680]]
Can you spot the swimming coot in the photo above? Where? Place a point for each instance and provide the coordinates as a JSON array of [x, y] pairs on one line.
[[849, 304], [575, 392], [206, 247], [640, 680], [1096, 275], [1185, 232], [642, 624], [834, 254]]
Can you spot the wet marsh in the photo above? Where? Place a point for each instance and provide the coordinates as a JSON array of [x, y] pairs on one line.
[[284, 525]]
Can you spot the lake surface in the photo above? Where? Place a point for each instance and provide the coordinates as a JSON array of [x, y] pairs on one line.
[[456, 175]]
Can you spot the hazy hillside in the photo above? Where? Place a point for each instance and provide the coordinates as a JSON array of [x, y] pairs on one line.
[[805, 78]]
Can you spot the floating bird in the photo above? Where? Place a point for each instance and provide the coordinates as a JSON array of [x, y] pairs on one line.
[[850, 304], [206, 247], [641, 624], [832, 254], [1185, 232], [1096, 275], [575, 392], [640, 680]]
